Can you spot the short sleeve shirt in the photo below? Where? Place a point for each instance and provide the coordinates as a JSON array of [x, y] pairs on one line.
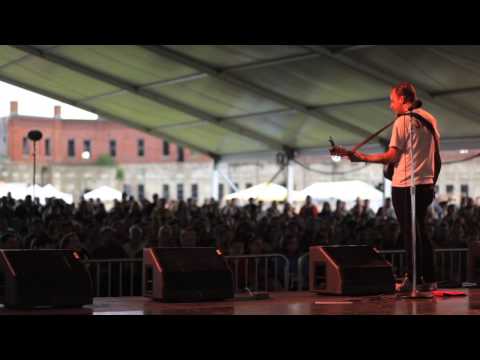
[[423, 150]]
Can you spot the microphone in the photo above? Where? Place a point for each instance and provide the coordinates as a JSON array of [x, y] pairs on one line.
[[35, 135]]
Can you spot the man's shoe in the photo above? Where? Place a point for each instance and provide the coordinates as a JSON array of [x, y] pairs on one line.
[[427, 287]]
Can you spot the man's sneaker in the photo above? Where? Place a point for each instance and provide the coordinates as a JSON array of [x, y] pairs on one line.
[[427, 287], [404, 287]]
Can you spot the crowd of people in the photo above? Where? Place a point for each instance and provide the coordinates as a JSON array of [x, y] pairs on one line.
[[130, 225]]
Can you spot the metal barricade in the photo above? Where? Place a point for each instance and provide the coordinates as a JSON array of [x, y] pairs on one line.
[[116, 277], [270, 272], [123, 277], [259, 272], [451, 265], [397, 258], [302, 277]]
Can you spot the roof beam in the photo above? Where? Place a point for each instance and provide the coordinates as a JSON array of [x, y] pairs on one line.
[[110, 116], [272, 62], [246, 85], [161, 83], [22, 58], [159, 99], [393, 79], [461, 91], [250, 66], [320, 107], [352, 48]]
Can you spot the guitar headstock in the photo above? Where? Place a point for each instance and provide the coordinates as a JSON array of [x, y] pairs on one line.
[[330, 140]]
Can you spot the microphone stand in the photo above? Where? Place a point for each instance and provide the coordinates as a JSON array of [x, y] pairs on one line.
[[34, 135], [34, 168], [414, 294]]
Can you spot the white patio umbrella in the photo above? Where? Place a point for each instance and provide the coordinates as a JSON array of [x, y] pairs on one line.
[[104, 193], [347, 191], [264, 192], [38, 191], [17, 190], [50, 191]]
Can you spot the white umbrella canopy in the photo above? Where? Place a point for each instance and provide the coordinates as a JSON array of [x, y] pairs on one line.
[[347, 191], [50, 191], [104, 193], [39, 193], [18, 190], [263, 192], [298, 196]]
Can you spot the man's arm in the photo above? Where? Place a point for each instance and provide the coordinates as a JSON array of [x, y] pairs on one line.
[[381, 158]]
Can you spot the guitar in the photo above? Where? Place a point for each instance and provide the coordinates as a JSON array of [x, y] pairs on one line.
[[338, 150]]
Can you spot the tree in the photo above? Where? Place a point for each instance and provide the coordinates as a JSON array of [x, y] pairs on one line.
[[105, 160]]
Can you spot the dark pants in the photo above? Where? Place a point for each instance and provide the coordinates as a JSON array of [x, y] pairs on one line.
[[402, 204]]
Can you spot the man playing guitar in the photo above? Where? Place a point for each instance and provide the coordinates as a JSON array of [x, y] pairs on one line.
[[409, 137]]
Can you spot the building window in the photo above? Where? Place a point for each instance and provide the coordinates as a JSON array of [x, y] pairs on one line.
[[248, 185], [166, 192], [221, 191], [166, 148], [141, 148], [450, 189], [179, 192], [71, 148], [180, 154], [113, 148], [141, 191], [48, 147], [464, 190], [195, 191], [87, 146], [26, 146]]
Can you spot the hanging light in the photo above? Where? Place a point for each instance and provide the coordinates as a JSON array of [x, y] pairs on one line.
[[86, 155]]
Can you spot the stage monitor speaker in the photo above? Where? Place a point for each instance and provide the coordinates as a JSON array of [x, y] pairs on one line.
[[349, 270], [43, 278], [186, 275]]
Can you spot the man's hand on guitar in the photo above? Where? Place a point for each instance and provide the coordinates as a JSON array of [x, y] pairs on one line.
[[340, 151]]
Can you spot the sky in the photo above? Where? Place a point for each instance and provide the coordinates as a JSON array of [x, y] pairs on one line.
[[33, 104]]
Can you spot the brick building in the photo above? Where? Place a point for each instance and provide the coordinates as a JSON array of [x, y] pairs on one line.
[[64, 141]]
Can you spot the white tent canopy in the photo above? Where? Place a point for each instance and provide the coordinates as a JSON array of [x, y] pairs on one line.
[[49, 191], [17, 190], [104, 193], [38, 192], [20, 190], [263, 192], [347, 191]]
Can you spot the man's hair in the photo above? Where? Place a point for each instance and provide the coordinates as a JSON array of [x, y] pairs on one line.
[[407, 90]]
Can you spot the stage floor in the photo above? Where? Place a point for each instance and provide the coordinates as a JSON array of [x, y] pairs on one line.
[[279, 304]]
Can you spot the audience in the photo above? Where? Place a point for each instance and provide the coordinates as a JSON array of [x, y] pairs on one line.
[[131, 225]]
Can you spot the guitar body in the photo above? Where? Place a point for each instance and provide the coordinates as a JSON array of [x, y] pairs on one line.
[[388, 171]]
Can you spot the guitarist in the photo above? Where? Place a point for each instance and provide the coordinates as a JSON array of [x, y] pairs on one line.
[[403, 100]]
